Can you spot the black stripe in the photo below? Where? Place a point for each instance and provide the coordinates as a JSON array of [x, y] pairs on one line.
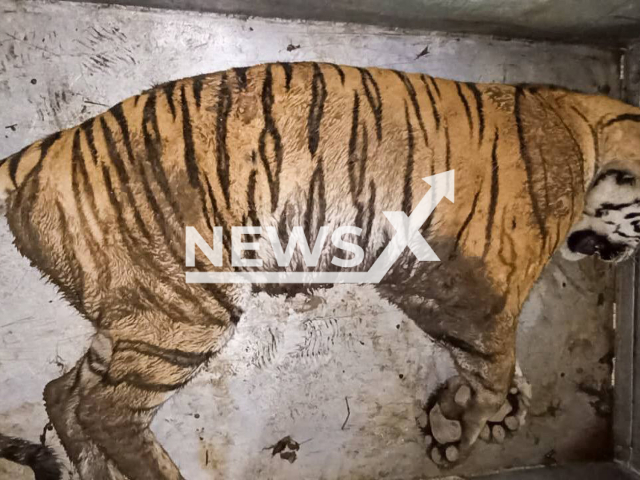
[[434, 108], [44, 146], [87, 128], [630, 117], [526, 158], [624, 235], [153, 147], [435, 85], [47, 143], [368, 82], [364, 155], [495, 192], [371, 212], [137, 380], [340, 72], [270, 130], [407, 197], [69, 260], [414, 102], [479, 108], [218, 218], [190, 159], [241, 77], [78, 165], [180, 358], [462, 345], [466, 222], [447, 151], [604, 207], [118, 114], [123, 176], [353, 143], [288, 74], [14, 160], [96, 252], [168, 91], [106, 177], [465, 103], [152, 201], [191, 163], [316, 189], [283, 230], [197, 89], [223, 160], [318, 97], [251, 199]]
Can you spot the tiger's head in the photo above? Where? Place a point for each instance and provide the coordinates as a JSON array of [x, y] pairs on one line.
[[610, 222]]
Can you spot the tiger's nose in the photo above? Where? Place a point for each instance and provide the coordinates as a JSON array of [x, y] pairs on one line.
[[587, 242]]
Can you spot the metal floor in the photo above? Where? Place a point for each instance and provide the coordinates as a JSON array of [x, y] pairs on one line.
[[591, 471]]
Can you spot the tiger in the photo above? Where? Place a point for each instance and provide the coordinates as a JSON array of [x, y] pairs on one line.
[[102, 210]]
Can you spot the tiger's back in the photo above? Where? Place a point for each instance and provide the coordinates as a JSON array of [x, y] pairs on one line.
[[273, 145]]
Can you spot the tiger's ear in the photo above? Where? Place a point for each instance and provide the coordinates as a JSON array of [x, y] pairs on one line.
[[621, 175], [619, 147]]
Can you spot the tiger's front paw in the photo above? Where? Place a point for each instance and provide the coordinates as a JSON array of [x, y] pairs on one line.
[[441, 422], [511, 416]]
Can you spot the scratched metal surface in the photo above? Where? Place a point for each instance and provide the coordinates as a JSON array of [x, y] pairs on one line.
[[292, 363]]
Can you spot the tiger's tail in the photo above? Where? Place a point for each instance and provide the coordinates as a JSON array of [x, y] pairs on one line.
[[39, 458]]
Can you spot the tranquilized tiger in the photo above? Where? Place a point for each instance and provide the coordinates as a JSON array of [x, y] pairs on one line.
[[102, 209]]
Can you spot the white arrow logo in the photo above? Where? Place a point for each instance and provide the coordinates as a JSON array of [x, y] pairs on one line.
[[407, 235]]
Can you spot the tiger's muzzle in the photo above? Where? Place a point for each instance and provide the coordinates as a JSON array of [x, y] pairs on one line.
[[588, 242]]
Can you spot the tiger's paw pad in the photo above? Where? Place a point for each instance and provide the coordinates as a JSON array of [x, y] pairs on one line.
[[440, 422], [511, 416]]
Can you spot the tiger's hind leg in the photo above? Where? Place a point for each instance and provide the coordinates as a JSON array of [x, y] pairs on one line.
[[61, 399], [103, 412]]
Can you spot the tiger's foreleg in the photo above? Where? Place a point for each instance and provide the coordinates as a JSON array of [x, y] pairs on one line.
[[460, 411], [103, 412]]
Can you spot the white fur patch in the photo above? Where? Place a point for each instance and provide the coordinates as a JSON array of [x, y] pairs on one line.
[[610, 210]]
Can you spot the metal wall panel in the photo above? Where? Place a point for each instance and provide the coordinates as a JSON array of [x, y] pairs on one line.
[[627, 369]]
